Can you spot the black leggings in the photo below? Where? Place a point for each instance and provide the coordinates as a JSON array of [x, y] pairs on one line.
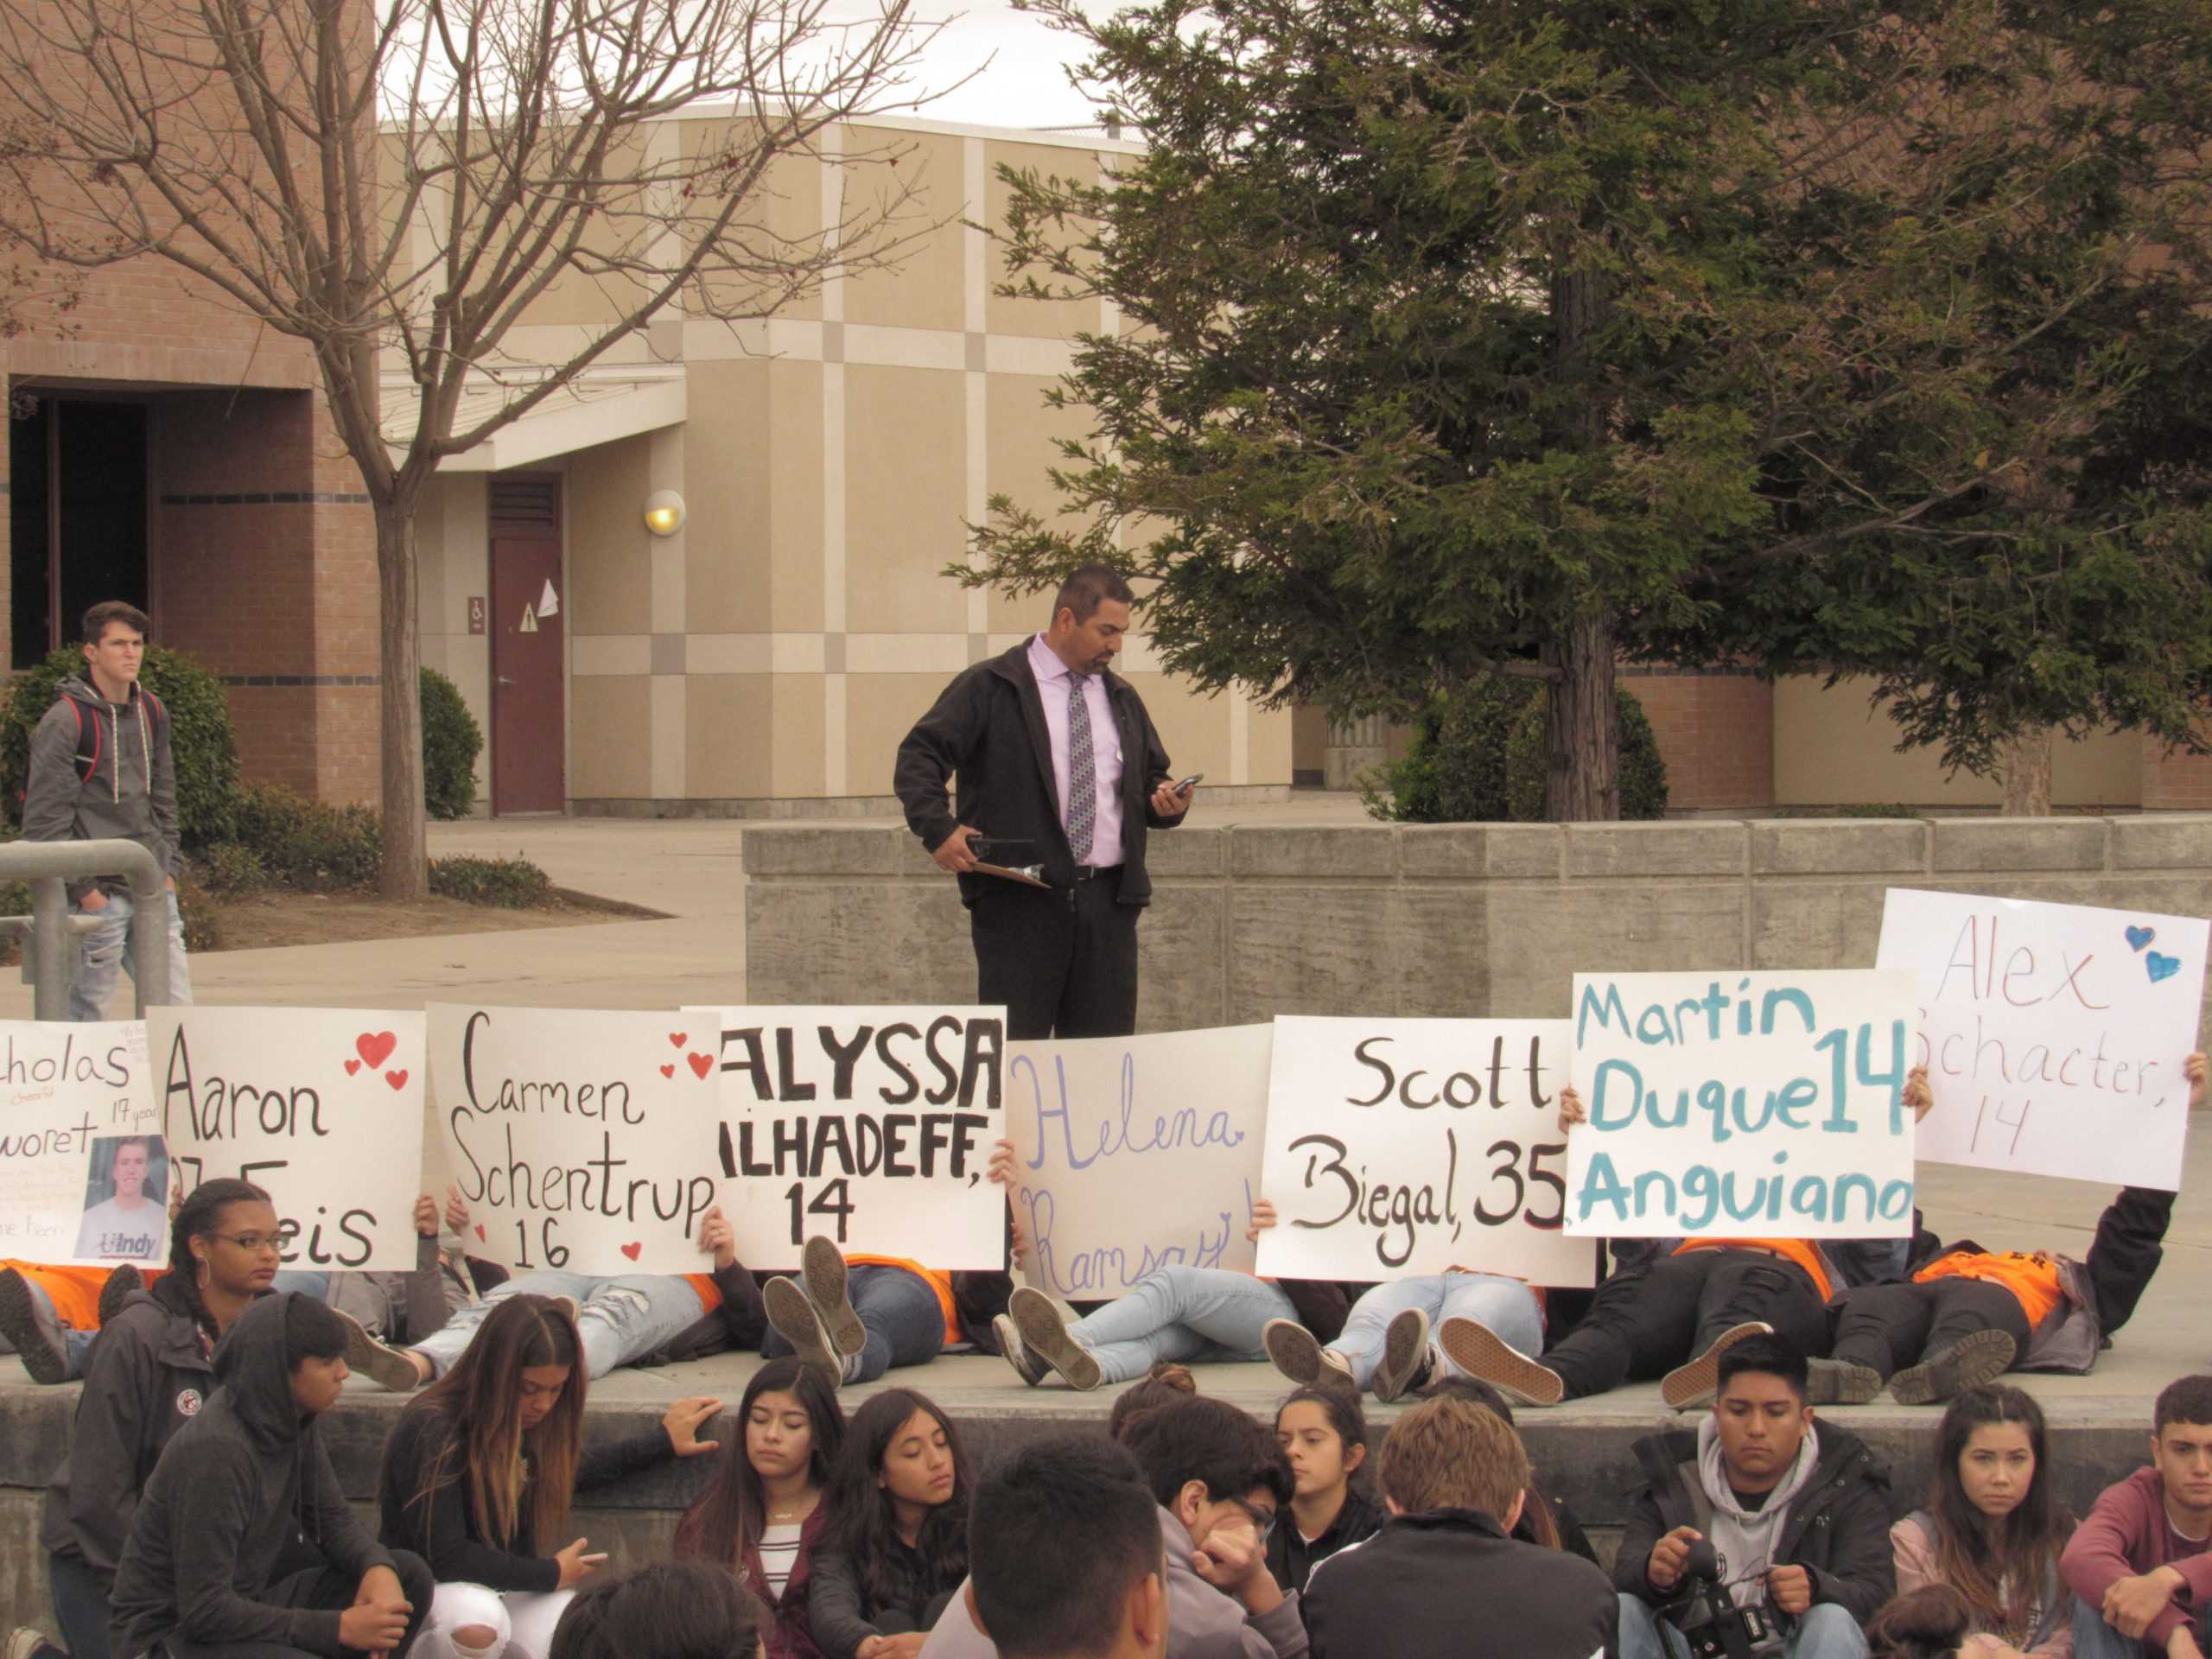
[[1644, 1324], [1888, 1327]]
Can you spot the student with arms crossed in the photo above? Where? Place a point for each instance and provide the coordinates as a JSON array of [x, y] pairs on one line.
[[245, 1484], [1799, 1513], [2138, 1565]]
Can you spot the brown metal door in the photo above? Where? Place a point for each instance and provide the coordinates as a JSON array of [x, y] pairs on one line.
[[529, 771]]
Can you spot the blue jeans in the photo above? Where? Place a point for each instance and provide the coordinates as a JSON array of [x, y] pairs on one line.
[[107, 947], [1208, 1314], [73, 1343], [2094, 1639], [1825, 1632], [80, 1607], [898, 1310], [1506, 1306], [621, 1320]]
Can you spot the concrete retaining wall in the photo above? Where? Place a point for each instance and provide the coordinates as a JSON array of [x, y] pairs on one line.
[[1413, 919]]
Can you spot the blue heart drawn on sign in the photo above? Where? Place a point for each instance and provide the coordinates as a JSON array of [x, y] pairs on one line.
[[2139, 937], [2162, 967]]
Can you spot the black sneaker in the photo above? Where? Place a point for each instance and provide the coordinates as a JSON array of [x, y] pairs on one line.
[[1482, 1354], [823, 1265], [1696, 1383], [116, 1291], [1840, 1382], [1967, 1364], [31, 1329], [1028, 1364], [792, 1313], [1044, 1329], [1405, 1354]]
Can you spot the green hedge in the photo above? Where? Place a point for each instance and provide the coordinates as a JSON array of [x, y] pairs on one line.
[[451, 741]]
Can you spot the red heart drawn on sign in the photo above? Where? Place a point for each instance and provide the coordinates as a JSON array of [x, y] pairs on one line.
[[667, 1071], [700, 1063], [633, 1250], [397, 1079], [677, 1039], [479, 1230], [353, 1066], [375, 1047]]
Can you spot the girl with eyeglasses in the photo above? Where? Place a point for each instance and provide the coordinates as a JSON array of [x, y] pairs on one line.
[[149, 1372]]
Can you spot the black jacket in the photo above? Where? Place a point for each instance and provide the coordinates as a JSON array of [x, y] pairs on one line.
[[1837, 1527], [237, 1484], [1291, 1559], [988, 726], [444, 1531], [146, 1375], [1448, 1584]]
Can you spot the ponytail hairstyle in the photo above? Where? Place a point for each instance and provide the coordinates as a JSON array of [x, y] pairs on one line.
[[1536, 1513], [485, 1447], [728, 1516], [1163, 1385], [2018, 1555], [201, 1216]]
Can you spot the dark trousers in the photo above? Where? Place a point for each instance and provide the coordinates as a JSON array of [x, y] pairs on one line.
[[79, 1607], [1888, 1327], [898, 1310], [1064, 963], [325, 1590], [1643, 1323]]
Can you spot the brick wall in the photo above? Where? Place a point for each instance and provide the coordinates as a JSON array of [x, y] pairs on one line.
[[1715, 732], [2176, 782]]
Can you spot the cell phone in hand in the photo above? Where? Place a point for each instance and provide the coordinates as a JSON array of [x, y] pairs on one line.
[[594, 1558], [1190, 783]]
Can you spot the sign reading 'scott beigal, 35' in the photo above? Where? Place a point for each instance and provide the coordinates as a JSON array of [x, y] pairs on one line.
[[1740, 1105], [871, 1127]]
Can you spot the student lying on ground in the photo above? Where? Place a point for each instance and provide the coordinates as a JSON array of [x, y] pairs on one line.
[[767, 1510], [1992, 1529], [1969, 1315], [897, 1547], [853, 1317], [1444, 1578], [478, 1477], [2138, 1565], [632, 1319], [1545, 1521], [1324, 1433], [1798, 1515], [247, 1482], [50, 1315], [147, 1377], [669, 1610], [1385, 1343], [1671, 1310], [1219, 1482]]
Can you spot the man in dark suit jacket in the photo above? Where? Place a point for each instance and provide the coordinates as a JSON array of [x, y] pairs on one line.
[[1055, 750]]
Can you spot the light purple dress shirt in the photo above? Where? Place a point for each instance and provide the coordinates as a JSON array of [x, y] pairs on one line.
[[1054, 681]]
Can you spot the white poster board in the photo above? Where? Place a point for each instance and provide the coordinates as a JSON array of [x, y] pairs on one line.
[[1400, 1147], [322, 1108], [2054, 1035], [84, 1172], [580, 1141], [1737, 1105], [872, 1127], [1134, 1153]]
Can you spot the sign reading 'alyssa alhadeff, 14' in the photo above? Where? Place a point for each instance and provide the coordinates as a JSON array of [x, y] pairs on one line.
[[1411, 1146], [871, 1127], [1739, 1105]]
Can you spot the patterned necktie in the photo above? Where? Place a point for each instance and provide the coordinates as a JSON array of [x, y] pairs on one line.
[[1083, 773]]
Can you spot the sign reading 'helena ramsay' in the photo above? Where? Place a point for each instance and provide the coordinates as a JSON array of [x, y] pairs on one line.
[[83, 1174]]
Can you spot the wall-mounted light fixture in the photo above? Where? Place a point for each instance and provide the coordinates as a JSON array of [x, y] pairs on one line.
[[665, 513]]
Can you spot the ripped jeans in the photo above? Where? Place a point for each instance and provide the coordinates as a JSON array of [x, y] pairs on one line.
[[621, 1320], [520, 1623]]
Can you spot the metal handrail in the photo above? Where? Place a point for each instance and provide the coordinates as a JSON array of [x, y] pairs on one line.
[[49, 933]]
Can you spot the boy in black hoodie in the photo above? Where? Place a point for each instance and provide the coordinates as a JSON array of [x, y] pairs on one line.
[[235, 1488]]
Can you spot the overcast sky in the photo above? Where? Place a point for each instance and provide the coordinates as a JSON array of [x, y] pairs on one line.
[[1023, 86]]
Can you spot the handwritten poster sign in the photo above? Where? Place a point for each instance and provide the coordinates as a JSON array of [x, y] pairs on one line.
[[2054, 1035], [84, 1171], [322, 1108], [581, 1141], [1411, 1146], [872, 1127], [1742, 1105], [1133, 1153]]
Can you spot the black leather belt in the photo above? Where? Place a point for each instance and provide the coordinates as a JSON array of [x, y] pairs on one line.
[[1085, 872]]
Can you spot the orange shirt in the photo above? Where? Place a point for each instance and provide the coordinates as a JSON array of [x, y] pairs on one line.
[[1792, 1249], [2033, 1279], [710, 1293], [75, 1291], [939, 1283]]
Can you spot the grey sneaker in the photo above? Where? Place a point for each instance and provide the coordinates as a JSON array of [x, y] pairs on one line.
[[1044, 1328], [1405, 1354], [792, 1313], [1967, 1364], [1695, 1385], [31, 1329], [1482, 1354], [1293, 1350], [392, 1368], [823, 1265], [1027, 1363], [116, 1291], [1840, 1382]]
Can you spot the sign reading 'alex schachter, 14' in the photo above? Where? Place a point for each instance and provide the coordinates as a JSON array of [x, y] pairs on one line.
[[1411, 1146], [84, 1175], [1742, 1105], [872, 1127]]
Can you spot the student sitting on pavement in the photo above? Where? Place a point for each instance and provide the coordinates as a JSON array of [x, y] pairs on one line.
[[1545, 1521], [666, 1610], [478, 1475], [898, 1548], [1324, 1433], [1968, 1315], [1798, 1514], [1929, 1623], [1992, 1529], [630, 1319], [245, 1484], [1444, 1578], [2138, 1565]]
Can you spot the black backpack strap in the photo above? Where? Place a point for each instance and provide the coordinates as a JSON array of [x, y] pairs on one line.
[[89, 738]]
